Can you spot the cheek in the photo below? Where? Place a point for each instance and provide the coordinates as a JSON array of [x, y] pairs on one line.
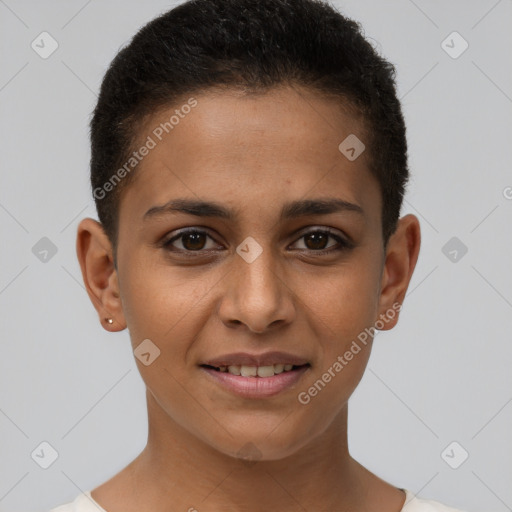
[[166, 307], [343, 301], [343, 309], [161, 303]]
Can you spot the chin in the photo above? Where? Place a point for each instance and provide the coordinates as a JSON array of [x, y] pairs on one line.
[[255, 445]]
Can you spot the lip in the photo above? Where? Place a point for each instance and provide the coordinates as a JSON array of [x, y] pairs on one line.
[[257, 387], [263, 359]]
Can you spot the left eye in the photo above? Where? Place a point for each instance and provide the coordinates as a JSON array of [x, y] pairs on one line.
[[196, 240], [316, 241]]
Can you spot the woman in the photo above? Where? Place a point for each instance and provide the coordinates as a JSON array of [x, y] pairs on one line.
[[248, 165]]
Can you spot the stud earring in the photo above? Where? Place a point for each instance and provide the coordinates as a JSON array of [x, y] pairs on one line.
[[109, 321]]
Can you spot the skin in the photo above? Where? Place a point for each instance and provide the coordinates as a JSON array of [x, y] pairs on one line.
[[251, 154]]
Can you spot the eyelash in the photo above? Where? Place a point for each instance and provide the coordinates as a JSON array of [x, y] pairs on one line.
[[343, 244]]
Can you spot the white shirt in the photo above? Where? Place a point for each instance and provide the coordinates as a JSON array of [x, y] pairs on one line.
[[85, 503]]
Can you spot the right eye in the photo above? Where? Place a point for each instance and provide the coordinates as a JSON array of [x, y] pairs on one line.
[[191, 241]]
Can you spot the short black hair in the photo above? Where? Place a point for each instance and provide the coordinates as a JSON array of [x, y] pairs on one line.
[[252, 45]]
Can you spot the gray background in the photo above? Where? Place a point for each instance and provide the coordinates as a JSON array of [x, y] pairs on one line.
[[442, 375]]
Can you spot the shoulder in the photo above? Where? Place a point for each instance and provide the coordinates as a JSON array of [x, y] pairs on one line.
[[414, 504], [82, 503]]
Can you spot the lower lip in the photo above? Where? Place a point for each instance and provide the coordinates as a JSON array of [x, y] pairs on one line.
[[257, 387]]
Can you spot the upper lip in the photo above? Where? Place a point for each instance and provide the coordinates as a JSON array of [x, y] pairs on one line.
[[264, 359]]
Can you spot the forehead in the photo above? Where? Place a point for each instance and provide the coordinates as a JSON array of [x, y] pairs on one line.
[[260, 150]]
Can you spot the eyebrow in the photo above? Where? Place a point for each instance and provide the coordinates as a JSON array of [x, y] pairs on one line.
[[300, 208]]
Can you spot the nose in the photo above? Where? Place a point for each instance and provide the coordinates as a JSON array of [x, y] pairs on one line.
[[256, 295]]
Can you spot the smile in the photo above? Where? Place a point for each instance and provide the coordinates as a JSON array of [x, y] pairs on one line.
[[255, 371], [256, 376]]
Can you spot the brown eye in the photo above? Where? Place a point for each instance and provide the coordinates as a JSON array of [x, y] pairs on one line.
[[196, 241], [193, 241], [189, 241], [316, 242]]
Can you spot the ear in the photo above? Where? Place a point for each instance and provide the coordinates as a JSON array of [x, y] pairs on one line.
[[95, 256], [401, 257]]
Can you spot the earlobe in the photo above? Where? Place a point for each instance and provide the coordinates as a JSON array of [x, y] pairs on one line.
[[401, 257], [94, 252]]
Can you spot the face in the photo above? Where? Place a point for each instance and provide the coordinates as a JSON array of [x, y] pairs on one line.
[[250, 254]]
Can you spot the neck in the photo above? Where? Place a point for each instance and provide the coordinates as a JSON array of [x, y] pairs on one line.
[[180, 472]]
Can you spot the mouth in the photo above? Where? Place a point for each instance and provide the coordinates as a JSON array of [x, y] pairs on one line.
[[256, 371], [252, 376]]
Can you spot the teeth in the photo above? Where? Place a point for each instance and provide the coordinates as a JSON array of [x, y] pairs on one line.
[[278, 368], [259, 371], [248, 371], [265, 371], [235, 370]]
